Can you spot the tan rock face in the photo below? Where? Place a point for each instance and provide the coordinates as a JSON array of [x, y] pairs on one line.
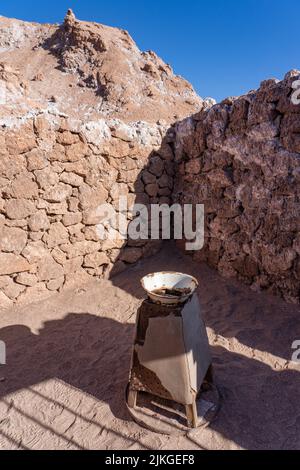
[[58, 193], [95, 260], [11, 264], [46, 178], [91, 197], [38, 221], [26, 279], [12, 239], [19, 208], [67, 138], [72, 179], [131, 255], [36, 160], [57, 235], [23, 187], [21, 142], [49, 269], [10, 288]]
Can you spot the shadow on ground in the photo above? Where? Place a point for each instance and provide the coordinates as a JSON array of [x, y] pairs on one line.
[[260, 406]]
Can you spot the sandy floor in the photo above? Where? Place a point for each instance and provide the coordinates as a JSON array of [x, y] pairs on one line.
[[68, 359]]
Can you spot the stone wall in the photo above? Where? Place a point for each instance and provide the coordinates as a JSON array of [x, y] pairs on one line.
[[241, 158], [54, 174], [83, 119]]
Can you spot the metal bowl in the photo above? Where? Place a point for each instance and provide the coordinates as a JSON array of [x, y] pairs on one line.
[[169, 287]]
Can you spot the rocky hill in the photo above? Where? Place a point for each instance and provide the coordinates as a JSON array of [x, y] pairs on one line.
[[85, 117], [86, 70]]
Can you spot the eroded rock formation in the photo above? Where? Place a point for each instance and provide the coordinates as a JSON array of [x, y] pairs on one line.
[[86, 70]]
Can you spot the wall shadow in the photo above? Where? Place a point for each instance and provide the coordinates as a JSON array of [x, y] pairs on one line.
[[260, 407], [258, 320], [153, 185], [81, 350]]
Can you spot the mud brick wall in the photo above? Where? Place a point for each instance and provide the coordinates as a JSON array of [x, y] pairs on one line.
[[54, 173], [241, 159]]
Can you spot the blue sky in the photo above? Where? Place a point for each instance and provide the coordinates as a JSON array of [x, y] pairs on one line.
[[223, 47]]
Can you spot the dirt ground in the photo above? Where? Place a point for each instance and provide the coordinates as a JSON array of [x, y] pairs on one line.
[[68, 359]]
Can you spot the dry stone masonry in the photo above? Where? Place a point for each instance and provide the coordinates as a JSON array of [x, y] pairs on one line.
[[50, 200], [241, 159]]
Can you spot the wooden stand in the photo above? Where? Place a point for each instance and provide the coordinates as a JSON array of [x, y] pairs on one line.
[[191, 415], [159, 349], [132, 398], [191, 410]]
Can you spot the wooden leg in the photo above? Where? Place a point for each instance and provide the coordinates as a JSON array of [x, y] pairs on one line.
[[208, 381], [191, 415], [132, 398], [209, 375]]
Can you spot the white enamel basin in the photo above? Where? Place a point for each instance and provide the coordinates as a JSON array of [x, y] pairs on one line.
[[169, 287]]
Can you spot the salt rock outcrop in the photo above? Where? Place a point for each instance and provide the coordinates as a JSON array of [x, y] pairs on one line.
[[84, 117], [241, 159]]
